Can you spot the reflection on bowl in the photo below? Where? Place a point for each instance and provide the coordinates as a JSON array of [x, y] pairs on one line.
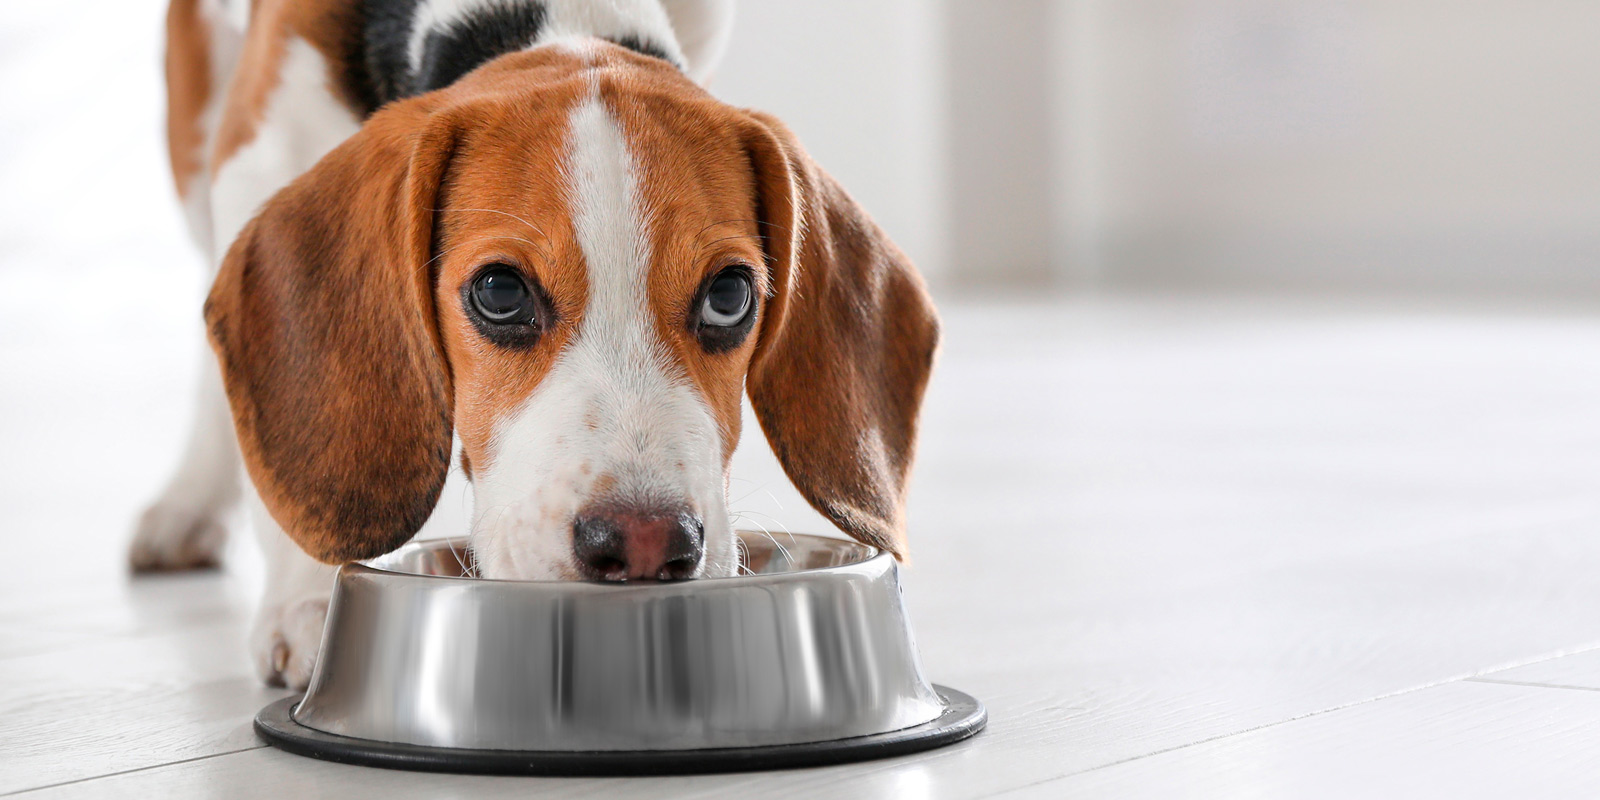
[[813, 645]]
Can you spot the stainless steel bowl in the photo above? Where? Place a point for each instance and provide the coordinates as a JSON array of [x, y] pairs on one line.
[[424, 667]]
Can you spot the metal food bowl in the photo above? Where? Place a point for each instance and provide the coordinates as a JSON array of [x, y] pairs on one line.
[[807, 659]]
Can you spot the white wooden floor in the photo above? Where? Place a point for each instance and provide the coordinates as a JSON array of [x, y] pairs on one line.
[[1206, 548]]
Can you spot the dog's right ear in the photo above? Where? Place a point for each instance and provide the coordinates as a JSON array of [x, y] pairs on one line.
[[323, 319]]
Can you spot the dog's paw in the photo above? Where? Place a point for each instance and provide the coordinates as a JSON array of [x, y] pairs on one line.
[[285, 640], [176, 536]]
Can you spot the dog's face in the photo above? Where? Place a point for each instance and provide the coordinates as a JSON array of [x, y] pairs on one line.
[[578, 263], [599, 328]]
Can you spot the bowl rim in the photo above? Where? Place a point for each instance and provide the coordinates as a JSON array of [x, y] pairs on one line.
[[871, 561]]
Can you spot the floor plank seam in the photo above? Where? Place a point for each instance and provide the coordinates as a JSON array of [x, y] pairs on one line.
[[120, 773], [1540, 660], [1222, 736], [1535, 685]]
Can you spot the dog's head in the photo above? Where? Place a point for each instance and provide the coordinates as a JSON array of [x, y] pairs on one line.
[[578, 262]]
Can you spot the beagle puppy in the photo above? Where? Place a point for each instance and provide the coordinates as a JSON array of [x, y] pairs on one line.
[[520, 229]]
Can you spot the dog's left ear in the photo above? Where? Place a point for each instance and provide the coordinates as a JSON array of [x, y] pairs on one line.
[[845, 346]]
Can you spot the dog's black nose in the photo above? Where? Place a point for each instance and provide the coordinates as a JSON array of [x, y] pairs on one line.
[[626, 545]]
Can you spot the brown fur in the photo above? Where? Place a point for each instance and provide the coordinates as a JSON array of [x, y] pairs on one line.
[[519, 121], [348, 357], [322, 319], [188, 67]]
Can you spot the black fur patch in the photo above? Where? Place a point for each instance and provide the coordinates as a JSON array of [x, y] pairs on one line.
[[479, 37], [644, 48], [470, 42], [387, 29]]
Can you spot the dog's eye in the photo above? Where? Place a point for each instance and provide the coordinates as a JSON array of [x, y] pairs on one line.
[[724, 310], [502, 296], [728, 300]]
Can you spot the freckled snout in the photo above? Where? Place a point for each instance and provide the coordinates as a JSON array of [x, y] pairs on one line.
[[622, 544]]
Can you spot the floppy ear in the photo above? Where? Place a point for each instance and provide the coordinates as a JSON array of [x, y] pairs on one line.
[[846, 344], [322, 317]]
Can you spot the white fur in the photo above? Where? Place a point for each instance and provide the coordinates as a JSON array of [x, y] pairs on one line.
[[294, 604], [301, 123], [652, 431], [236, 13]]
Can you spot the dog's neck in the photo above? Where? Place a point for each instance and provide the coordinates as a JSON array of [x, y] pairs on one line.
[[416, 46]]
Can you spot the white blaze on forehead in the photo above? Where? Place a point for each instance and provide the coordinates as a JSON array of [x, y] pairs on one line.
[[650, 419], [614, 403], [606, 218]]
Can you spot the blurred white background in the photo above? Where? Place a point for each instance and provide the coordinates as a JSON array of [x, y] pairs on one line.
[[1352, 145], [1423, 146]]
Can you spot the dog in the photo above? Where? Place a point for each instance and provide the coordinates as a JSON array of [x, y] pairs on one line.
[[523, 231]]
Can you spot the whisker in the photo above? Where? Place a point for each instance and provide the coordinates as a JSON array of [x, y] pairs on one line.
[[753, 221], [741, 498], [475, 240], [764, 532], [775, 521], [465, 570], [735, 236], [501, 213], [759, 488], [742, 557], [446, 252], [540, 248]]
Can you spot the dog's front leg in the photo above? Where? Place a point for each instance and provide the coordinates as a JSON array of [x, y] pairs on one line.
[[288, 626], [186, 527]]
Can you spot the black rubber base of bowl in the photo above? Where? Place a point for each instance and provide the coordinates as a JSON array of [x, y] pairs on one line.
[[963, 717]]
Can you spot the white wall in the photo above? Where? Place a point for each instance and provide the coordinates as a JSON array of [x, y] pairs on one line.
[[1424, 144], [999, 187], [1415, 144]]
